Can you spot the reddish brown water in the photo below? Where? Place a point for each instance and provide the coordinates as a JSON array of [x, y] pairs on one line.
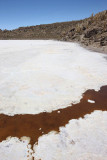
[[28, 125]]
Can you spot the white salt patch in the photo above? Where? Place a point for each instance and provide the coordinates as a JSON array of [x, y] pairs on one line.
[[38, 76], [14, 149], [24, 138], [91, 101], [83, 139]]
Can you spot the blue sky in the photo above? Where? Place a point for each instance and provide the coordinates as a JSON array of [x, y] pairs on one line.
[[15, 13]]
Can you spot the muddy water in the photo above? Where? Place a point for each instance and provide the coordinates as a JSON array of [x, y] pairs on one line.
[[34, 126]]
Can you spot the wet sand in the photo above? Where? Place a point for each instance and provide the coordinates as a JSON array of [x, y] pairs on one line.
[[34, 126]]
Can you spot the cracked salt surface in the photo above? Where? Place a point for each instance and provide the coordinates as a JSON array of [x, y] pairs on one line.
[[38, 76]]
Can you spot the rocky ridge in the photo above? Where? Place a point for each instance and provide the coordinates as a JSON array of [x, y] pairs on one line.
[[90, 32]]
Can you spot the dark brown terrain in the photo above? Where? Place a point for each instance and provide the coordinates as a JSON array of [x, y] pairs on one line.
[[91, 32]]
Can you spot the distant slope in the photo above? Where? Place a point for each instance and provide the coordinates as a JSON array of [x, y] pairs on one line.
[[91, 31]]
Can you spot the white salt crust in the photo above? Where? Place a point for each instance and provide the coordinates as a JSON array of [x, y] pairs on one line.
[[38, 76], [15, 149], [83, 139]]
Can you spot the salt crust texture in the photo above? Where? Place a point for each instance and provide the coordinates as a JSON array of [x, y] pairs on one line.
[[83, 139], [15, 149], [37, 76]]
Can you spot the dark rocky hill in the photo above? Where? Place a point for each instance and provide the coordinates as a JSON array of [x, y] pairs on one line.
[[90, 32]]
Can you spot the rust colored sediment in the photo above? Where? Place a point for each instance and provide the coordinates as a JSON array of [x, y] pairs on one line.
[[29, 125]]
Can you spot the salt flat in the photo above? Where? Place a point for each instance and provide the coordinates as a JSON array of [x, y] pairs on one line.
[[38, 76]]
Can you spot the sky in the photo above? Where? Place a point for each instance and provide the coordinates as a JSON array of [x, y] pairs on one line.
[[17, 13]]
